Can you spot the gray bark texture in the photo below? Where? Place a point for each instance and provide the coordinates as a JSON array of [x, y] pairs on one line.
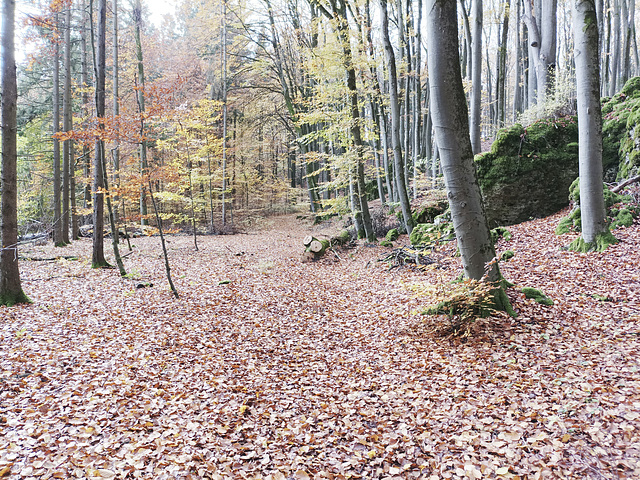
[[585, 28], [449, 111], [10, 286], [476, 77], [401, 186]]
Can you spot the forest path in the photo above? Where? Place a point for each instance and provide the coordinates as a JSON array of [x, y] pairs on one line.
[[269, 366]]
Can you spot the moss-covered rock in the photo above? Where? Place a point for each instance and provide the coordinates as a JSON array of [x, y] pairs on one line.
[[392, 235], [386, 243], [500, 232], [528, 171], [620, 132], [537, 295], [621, 211], [428, 213], [429, 234], [507, 255]]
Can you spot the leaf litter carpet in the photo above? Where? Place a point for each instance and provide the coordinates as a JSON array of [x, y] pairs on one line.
[[269, 368]]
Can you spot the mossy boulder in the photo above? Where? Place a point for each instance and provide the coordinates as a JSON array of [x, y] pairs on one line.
[[528, 171], [537, 295], [621, 132], [428, 213], [621, 210], [500, 232], [429, 234], [392, 235]]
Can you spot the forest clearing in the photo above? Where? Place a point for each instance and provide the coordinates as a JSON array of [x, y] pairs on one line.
[[269, 368]]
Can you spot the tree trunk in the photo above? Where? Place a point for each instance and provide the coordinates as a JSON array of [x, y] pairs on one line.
[[395, 121], [67, 126], [542, 40], [502, 68], [615, 49], [10, 285], [57, 190], [116, 108], [224, 111], [585, 31], [450, 120], [476, 78], [84, 78], [98, 260], [628, 39], [144, 164]]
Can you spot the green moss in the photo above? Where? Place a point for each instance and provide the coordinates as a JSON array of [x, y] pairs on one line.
[[624, 218], [603, 240], [500, 232], [537, 295], [632, 87], [507, 255], [392, 235], [11, 299], [528, 171], [565, 225], [428, 213], [386, 243], [429, 234]]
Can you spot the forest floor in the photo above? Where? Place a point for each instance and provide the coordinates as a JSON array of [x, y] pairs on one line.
[[269, 368]]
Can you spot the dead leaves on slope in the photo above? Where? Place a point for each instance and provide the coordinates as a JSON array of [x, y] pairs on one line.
[[294, 371]]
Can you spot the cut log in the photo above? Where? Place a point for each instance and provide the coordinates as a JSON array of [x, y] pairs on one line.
[[307, 240], [318, 247]]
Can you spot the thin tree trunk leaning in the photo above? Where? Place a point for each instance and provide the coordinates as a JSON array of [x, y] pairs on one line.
[[10, 286], [595, 231], [476, 77], [401, 187], [449, 110], [99, 62], [167, 267], [112, 216]]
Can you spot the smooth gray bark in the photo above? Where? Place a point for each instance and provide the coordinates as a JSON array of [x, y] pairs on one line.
[[476, 77], [615, 49], [401, 187], [144, 164], [449, 112], [585, 30]]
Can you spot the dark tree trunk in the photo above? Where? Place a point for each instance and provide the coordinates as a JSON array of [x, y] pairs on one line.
[[10, 287]]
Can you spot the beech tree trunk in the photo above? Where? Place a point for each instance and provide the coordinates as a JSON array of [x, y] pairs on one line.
[[449, 111], [401, 187], [476, 77], [585, 30], [615, 49], [10, 285]]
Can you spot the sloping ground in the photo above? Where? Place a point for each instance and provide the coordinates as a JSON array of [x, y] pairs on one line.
[[318, 370]]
